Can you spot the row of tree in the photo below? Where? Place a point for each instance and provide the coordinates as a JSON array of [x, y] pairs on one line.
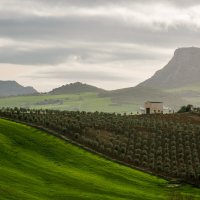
[[164, 144]]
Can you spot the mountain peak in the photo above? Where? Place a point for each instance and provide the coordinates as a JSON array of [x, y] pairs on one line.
[[182, 70], [187, 51], [8, 82], [12, 88]]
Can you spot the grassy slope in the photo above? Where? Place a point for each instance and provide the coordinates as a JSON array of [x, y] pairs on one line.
[[85, 101], [35, 165], [185, 89], [139, 94], [190, 93]]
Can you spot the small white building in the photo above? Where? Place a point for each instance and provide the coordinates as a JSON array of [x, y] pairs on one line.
[[153, 107]]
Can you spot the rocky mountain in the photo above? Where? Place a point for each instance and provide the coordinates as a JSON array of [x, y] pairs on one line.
[[183, 70], [74, 88], [12, 88]]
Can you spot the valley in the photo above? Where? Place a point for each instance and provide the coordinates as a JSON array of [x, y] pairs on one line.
[[166, 145], [99, 100], [90, 102], [37, 166]]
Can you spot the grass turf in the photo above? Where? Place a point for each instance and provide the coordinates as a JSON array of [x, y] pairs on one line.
[[90, 102], [38, 166]]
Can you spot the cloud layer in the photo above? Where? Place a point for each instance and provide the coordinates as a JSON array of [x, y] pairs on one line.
[[107, 43]]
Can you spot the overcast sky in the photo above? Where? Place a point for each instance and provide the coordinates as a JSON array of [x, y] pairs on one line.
[[108, 43]]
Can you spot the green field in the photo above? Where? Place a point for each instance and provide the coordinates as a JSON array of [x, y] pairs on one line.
[[190, 93], [90, 102], [35, 165]]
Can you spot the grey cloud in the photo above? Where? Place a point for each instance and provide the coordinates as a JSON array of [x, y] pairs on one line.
[[99, 30], [36, 57], [92, 3], [81, 75], [92, 29], [53, 56]]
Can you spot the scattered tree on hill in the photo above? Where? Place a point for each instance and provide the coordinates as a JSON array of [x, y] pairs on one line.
[[164, 144]]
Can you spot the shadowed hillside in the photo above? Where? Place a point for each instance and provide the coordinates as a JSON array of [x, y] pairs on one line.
[[138, 95], [36, 166], [180, 76], [182, 70], [166, 145], [12, 88]]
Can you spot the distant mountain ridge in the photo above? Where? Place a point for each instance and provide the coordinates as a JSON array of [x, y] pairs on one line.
[[176, 84], [74, 88], [133, 95], [12, 88], [181, 71]]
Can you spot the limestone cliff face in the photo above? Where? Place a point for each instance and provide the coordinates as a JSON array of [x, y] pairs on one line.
[[182, 70]]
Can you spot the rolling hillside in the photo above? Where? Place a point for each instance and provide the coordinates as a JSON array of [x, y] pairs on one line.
[[120, 101], [90, 102], [121, 98], [176, 84], [83, 97], [139, 94], [74, 88], [12, 88], [166, 145], [37, 166]]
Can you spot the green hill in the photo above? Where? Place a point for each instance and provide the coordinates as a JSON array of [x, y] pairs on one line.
[[190, 93], [83, 97], [90, 102], [74, 88], [139, 94], [37, 166]]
